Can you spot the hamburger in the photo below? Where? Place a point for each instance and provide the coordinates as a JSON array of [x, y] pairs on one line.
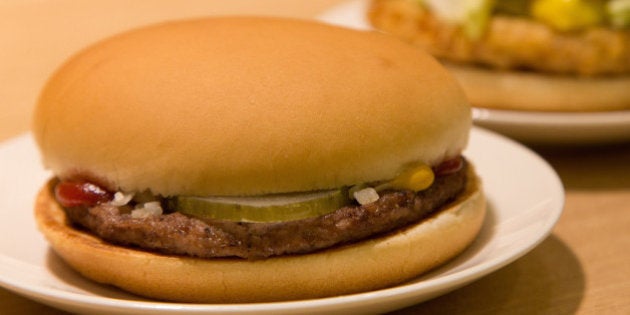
[[245, 159], [527, 55]]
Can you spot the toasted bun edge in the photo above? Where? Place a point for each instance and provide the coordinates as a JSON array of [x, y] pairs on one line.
[[368, 265]]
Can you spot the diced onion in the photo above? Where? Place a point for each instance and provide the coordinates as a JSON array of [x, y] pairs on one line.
[[146, 210], [366, 195], [121, 199]]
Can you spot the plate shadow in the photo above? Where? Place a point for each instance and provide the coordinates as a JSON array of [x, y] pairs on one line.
[[548, 280]]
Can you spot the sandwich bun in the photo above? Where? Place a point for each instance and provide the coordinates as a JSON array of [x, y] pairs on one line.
[[530, 91]]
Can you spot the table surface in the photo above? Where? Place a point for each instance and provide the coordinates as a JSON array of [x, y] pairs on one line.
[[583, 267]]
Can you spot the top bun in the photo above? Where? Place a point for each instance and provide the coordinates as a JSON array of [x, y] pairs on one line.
[[244, 105]]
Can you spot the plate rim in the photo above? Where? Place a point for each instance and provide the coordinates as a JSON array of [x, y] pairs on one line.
[[52, 296]]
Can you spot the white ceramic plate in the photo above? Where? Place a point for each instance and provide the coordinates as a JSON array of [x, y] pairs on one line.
[[530, 127], [525, 200], [557, 128]]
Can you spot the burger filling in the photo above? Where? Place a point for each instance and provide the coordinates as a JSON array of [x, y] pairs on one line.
[[260, 227], [561, 15], [583, 37]]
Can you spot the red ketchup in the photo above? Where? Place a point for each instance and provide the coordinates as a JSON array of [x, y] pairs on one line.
[[449, 166], [81, 193]]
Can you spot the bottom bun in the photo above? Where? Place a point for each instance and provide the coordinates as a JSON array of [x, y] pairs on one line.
[[372, 264], [529, 91]]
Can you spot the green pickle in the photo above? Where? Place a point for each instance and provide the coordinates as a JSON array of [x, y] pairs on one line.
[[618, 12], [472, 15], [272, 208], [477, 17], [569, 15]]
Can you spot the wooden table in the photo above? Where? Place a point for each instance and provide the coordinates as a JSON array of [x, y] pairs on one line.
[[582, 268]]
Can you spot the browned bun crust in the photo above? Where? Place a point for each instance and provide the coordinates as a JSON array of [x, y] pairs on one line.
[[519, 90], [368, 265], [247, 106]]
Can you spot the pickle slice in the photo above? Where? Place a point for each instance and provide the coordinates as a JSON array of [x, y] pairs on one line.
[[472, 15], [477, 17], [269, 208], [619, 13]]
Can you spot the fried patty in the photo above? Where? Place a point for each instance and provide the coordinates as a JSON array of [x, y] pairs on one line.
[[176, 233], [510, 42]]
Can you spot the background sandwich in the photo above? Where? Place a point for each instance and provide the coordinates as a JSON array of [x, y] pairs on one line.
[[542, 55]]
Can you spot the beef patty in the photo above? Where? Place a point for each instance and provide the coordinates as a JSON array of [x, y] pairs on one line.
[[176, 233]]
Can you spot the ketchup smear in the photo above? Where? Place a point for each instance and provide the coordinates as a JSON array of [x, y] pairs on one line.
[[449, 166], [81, 193]]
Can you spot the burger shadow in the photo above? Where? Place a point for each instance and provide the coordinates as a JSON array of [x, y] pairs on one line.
[[472, 254], [82, 285], [595, 167], [547, 280]]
